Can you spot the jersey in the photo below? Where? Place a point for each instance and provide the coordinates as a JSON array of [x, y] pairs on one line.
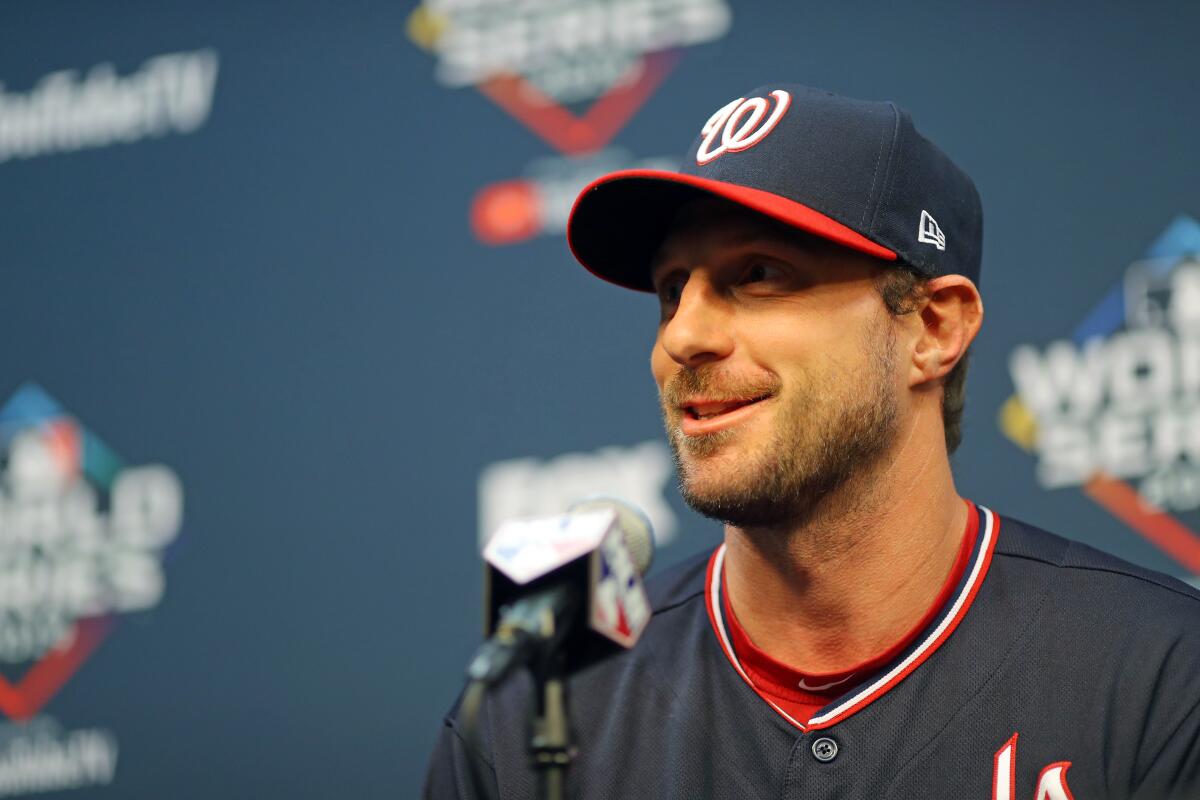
[[1053, 672]]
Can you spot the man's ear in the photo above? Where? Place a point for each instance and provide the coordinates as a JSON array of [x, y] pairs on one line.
[[951, 314]]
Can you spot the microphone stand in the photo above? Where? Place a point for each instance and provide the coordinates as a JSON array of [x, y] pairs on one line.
[[531, 631], [549, 742]]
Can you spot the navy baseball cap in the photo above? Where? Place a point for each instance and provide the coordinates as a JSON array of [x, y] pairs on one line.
[[853, 171]]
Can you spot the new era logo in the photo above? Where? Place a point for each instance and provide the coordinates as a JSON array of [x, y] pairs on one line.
[[930, 233]]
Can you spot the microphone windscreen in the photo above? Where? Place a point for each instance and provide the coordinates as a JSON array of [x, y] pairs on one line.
[[634, 524]]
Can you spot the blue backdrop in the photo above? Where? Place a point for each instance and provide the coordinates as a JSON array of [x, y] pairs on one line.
[[294, 273]]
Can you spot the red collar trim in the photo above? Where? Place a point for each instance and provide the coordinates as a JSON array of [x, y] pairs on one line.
[[940, 623]]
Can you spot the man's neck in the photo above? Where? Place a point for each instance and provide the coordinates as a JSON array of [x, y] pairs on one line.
[[855, 576]]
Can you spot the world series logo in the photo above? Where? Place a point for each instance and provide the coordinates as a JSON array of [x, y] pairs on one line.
[[572, 72], [1114, 409], [83, 536]]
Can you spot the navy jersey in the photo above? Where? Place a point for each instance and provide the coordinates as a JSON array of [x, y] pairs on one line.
[[1053, 672]]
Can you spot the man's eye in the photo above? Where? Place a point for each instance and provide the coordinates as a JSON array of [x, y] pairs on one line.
[[760, 272], [669, 291]]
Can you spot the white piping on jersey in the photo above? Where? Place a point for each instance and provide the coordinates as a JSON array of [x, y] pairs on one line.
[[715, 597], [863, 696]]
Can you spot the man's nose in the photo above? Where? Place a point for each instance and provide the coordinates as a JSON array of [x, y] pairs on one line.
[[699, 330]]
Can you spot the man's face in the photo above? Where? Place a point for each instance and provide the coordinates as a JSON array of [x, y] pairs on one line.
[[775, 361]]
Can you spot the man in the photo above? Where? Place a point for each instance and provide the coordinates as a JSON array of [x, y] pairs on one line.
[[863, 632]]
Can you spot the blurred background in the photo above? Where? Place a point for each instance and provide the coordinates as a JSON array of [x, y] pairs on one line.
[[289, 323]]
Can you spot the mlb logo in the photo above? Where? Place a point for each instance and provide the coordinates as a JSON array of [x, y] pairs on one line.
[[620, 609], [1162, 293]]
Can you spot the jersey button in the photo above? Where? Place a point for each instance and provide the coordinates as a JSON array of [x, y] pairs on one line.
[[824, 749]]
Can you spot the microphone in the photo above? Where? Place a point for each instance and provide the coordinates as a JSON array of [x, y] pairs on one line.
[[567, 587]]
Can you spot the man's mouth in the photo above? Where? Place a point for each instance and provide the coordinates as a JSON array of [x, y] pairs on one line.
[[708, 409], [702, 416]]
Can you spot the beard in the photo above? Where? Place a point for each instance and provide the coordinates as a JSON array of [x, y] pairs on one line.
[[827, 433]]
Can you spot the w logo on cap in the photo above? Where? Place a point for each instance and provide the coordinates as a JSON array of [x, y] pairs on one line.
[[740, 125]]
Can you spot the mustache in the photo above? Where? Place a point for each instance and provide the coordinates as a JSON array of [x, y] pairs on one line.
[[714, 385]]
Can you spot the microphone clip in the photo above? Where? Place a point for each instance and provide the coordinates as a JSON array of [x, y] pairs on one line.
[[535, 624]]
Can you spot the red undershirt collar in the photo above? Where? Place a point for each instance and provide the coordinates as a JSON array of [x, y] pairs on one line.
[[799, 695]]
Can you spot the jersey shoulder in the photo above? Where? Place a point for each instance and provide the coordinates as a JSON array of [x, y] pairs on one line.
[[1074, 564]]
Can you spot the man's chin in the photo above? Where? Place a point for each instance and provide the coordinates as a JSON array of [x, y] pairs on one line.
[[733, 504]]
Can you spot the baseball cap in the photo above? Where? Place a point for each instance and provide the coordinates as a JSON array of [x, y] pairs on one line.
[[856, 172]]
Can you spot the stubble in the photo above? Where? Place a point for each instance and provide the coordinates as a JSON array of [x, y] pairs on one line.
[[829, 430]]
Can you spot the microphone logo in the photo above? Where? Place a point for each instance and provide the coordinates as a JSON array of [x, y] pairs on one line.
[[620, 610]]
